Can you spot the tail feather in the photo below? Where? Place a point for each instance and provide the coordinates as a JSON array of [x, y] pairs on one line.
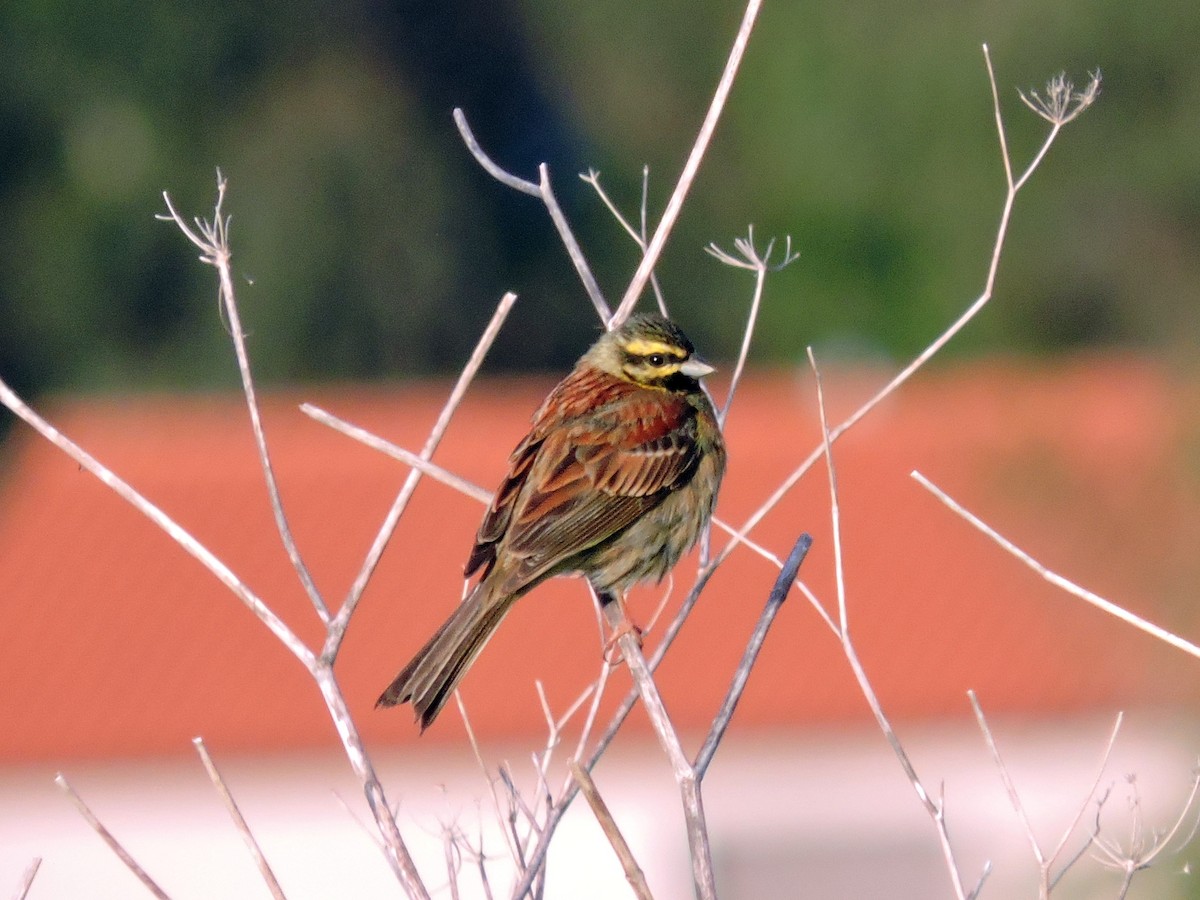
[[431, 677]]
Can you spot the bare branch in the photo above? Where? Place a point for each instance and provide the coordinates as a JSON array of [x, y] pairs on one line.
[[936, 809], [173, 529], [395, 849], [1143, 847], [509, 838], [1010, 788], [1062, 842], [503, 176], [633, 872], [639, 237], [213, 239], [691, 167], [1001, 135], [337, 628], [453, 860], [26, 881], [538, 857], [109, 839], [1058, 580], [938, 343], [592, 177], [239, 820], [760, 264], [668, 738], [434, 471], [543, 191], [779, 593]]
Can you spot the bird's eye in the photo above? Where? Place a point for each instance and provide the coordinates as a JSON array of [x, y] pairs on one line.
[[657, 360]]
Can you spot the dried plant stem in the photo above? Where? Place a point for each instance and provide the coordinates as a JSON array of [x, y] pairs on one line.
[[1142, 846], [633, 872], [109, 839], [1058, 580], [337, 628], [691, 167], [212, 237], [750, 259], [936, 809], [639, 237], [685, 773], [1045, 861], [239, 820], [538, 856], [26, 881], [543, 191], [395, 849], [213, 240], [1014, 185], [434, 471], [741, 676], [173, 529]]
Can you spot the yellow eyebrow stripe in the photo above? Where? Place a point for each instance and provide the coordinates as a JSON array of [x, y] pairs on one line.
[[644, 347]]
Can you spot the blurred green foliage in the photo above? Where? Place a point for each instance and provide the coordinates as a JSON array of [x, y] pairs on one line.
[[372, 246]]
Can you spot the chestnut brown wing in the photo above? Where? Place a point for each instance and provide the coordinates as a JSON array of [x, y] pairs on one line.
[[590, 478], [574, 399], [496, 519]]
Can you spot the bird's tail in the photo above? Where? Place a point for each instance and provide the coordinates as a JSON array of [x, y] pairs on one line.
[[431, 677]]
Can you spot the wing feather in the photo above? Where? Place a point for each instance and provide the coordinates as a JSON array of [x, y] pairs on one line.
[[583, 474]]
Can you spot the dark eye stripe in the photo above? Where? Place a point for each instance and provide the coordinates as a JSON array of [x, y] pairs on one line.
[[656, 360]]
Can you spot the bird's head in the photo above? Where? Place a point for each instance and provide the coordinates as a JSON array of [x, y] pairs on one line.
[[649, 350]]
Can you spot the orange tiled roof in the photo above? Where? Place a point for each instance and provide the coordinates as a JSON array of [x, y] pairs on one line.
[[118, 643]]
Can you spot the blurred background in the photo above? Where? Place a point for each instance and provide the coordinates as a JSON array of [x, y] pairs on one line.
[[370, 250], [377, 247]]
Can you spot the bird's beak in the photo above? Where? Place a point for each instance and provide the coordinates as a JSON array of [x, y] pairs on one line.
[[695, 367]]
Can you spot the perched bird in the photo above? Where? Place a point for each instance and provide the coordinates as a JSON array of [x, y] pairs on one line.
[[615, 481]]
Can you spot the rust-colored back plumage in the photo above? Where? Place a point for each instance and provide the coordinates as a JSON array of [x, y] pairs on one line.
[[615, 480]]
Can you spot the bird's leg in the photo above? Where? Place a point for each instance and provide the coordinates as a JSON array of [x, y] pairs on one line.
[[613, 605]]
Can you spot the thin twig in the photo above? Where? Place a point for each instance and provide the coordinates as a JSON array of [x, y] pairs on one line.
[[935, 809], [690, 168], [633, 872], [538, 857], [1062, 842], [239, 820], [753, 546], [544, 192], [933, 348], [668, 738], [639, 237], [337, 629], [742, 674], [26, 881], [433, 470], [1054, 578], [509, 838], [212, 237], [173, 529], [1142, 848], [395, 849], [108, 838], [453, 860], [760, 264], [1010, 787]]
